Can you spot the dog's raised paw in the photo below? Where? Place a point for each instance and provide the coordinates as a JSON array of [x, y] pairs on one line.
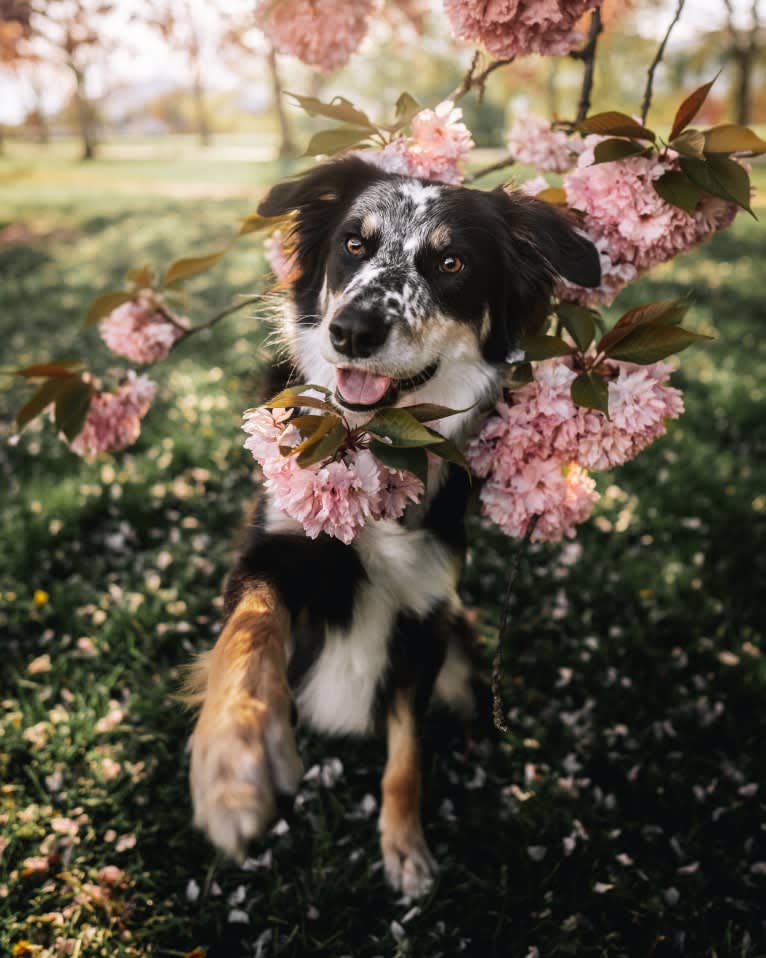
[[409, 865], [236, 773]]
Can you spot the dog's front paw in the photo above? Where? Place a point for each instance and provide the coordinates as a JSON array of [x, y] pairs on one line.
[[410, 867], [240, 761]]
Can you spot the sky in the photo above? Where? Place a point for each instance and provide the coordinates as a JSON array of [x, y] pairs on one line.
[[142, 62]]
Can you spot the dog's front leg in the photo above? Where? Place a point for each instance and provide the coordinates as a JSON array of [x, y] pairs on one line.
[[243, 748], [409, 865]]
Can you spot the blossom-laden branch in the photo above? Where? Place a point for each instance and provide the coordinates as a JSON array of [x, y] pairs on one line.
[[647, 101]]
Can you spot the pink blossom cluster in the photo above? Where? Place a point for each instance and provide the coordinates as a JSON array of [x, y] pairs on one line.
[[532, 140], [633, 227], [338, 497], [511, 28], [438, 142], [140, 329], [279, 256], [322, 34], [113, 420], [534, 450]]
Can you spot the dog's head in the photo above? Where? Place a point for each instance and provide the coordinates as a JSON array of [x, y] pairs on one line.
[[408, 290]]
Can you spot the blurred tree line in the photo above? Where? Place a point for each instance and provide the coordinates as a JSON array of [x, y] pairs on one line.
[[409, 47]]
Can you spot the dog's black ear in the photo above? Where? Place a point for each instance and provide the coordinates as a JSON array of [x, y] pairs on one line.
[[319, 198], [538, 244]]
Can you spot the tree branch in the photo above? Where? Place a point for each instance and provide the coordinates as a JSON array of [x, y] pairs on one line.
[[476, 81], [588, 56], [656, 62], [498, 709], [492, 168], [250, 301]]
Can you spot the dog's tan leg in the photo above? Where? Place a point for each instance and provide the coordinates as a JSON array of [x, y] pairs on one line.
[[409, 865], [243, 748]]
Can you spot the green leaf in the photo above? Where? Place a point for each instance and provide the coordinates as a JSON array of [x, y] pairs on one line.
[[731, 138], [72, 402], [537, 348], [649, 344], [104, 304], [142, 277], [323, 426], [329, 142], [521, 375], [668, 312], [324, 446], [691, 143], [609, 150], [339, 108], [40, 400], [447, 449], [293, 398], [677, 189], [56, 368], [412, 459], [401, 428], [690, 107], [191, 266], [428, 412], [406, 107], [720, 176], [612, 123], [592, 391], [579, 323]]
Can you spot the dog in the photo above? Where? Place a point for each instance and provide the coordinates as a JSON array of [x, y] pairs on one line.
[[405, 291]]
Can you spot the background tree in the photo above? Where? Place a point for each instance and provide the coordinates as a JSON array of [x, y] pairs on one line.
[[177, 24], [745, 44]]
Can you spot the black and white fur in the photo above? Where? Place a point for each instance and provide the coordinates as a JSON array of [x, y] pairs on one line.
[[382, 617]]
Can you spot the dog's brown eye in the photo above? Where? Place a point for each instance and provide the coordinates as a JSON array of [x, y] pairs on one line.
[[450, 264], [354, 245]]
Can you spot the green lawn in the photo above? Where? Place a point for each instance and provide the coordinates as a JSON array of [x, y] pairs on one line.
[[623, 815]]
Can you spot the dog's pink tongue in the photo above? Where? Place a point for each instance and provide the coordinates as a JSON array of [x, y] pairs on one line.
[[361, 388]]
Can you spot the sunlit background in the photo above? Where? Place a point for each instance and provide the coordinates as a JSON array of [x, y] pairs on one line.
[[136, 71]]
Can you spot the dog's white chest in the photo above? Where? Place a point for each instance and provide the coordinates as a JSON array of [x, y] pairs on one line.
[[408, 571]]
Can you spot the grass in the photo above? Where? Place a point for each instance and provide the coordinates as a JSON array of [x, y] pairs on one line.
[[623, 815]]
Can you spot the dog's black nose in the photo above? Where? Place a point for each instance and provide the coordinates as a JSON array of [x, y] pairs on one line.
[[358, 333]]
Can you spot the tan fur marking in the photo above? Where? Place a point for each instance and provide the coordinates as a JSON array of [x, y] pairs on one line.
[[370, 223], [407, 860], [441, 237], [243, 749]]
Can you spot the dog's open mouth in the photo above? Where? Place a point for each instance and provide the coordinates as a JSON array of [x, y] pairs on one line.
[[359, 389]]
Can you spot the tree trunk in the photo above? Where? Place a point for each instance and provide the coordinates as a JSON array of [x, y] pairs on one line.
[[84, 115], [287, 146], [744, 86], [200, 108]]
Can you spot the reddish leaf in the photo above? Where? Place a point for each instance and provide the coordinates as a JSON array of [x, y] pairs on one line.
[[690, 107], [649, 344], [663, 313], [537, 348], [57, 368], [612, 123], [72, 402], [41, 399]]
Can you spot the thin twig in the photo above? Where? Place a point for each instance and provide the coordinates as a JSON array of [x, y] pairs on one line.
[[498, 709], [588, 56], [492, 168], [656, 62], [250, 301], [476, 81]]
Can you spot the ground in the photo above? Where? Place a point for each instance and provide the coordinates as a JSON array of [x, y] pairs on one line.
[[624, 812]]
